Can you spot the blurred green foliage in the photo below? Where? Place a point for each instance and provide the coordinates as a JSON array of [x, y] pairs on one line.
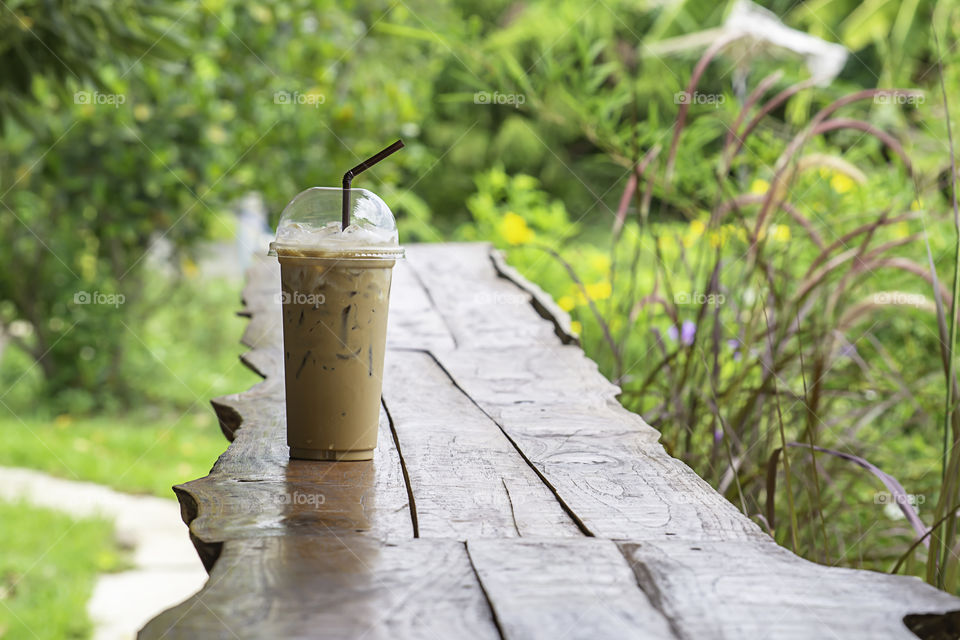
[[129, 122]]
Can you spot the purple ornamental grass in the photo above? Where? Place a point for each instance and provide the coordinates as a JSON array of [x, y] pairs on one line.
[[734, 344], [686, 333]]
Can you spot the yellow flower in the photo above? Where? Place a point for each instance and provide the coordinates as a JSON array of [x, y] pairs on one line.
[[514, 229], [576, 327], [667, 243], [916, 205], [189, 268], [759, 186], [600, 262], [901, 229], [567, 303], [576, 294], [841, 182], [718, 238], [781, 233], [600, 290], [694, 231]]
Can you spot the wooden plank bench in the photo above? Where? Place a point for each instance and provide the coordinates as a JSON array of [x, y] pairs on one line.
[[511, 496]]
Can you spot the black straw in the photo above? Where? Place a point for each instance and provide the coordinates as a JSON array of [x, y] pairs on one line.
[[360, 168]]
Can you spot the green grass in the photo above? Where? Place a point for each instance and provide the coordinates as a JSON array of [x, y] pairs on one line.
[[172, 436], [47, 570], [135, 454]]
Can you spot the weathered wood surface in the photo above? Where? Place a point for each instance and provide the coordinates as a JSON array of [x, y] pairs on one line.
[[576, 588], [327, 586], [460, 463], [736, 589], [511, 496]]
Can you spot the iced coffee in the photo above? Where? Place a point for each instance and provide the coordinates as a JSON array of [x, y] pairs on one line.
[[335, 287]]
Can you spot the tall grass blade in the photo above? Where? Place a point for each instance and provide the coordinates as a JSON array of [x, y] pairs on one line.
[[783, 438]]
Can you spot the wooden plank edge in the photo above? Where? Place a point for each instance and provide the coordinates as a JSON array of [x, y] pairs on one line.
[[228, 417], [263, 361], [542, 302], [209, 552], [229, 408], [230, 420]]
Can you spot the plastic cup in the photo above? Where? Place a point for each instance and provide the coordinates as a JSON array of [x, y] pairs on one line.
[[335, 293]]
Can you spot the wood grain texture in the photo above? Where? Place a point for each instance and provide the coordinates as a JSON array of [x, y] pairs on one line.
[[480, 308], [415, 322], [349, 587], [603, 461], [467, 479], [570, 589], [752, 589]]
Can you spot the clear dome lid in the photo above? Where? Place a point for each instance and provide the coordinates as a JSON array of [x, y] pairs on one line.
[[310, 225]]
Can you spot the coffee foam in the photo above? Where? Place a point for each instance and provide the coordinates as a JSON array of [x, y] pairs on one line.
[[301, 235]]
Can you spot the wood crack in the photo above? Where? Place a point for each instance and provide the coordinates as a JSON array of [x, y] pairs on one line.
[[486, 596], [566, 508], [513, 513], [433, 304], [403, 469], [648, 585]]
